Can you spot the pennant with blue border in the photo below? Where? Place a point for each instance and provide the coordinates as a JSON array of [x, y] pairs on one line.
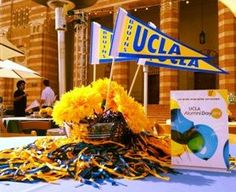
[[191, 64], [101, 44], [134, 38]]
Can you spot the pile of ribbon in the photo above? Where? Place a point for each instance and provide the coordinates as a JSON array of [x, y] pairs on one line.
[[91, 162], [232, 162]]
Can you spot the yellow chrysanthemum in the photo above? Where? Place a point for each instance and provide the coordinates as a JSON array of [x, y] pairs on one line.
[[76, 105], [133, 113], [102, 85], [83, 102]]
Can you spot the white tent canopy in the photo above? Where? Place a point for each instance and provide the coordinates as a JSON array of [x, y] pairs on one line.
[[10, 69], [231, 4], [8, 50]]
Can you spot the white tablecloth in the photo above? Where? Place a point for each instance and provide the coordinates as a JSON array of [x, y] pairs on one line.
[[194, 181], [25, 119]]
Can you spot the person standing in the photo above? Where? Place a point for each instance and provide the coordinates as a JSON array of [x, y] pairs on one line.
[[20, 99], [48, 96]]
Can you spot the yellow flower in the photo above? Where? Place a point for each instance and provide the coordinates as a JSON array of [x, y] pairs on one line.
[[82, 102], [115, 89], [76, 105], [133, 113]]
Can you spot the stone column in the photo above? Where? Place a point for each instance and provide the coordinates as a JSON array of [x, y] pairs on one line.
[[169, 23], [227, 47], [50, 51], [14, 22], [42, 55], [31, 28]]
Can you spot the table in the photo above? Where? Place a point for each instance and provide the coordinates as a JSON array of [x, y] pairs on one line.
[[195, 181], [232, 127], [12, 123], [25, 119], [188, 181]]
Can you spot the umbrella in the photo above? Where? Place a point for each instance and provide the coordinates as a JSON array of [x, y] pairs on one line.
[[8, 50], [10, 69]]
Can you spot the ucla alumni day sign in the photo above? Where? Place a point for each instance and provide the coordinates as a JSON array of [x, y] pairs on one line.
[[134, 38], [199, 129]]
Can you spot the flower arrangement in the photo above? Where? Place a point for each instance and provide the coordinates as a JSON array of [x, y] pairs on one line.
[[134, 155], [84, 102]]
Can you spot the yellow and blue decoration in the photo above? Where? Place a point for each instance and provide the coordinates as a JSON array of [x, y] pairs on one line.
[[200, 139]]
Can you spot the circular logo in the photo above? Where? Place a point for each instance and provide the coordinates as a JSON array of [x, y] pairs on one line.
[[216, 113]]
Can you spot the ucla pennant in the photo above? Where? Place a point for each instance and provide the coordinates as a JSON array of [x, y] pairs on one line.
[[101, 44], [133, 38], [189, 64]]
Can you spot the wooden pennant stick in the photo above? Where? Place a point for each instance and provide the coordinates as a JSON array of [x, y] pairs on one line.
[[110, 78], [94, 72], [134, 79], [145, 88]]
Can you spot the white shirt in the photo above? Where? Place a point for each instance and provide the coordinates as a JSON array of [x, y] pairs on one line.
[[48, 96]]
